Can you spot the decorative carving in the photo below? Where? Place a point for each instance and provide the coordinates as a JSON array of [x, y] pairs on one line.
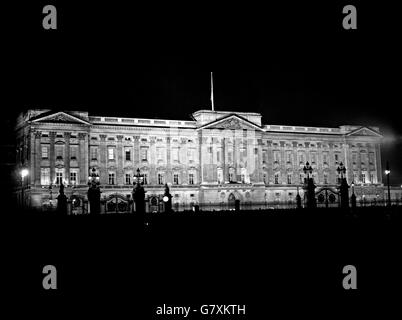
[[120, 138], [232, 123], [67, 135], [38, 134], [103, 137], [52, 135], [81, 135]]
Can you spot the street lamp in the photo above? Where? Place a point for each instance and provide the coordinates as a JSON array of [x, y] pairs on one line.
[[387, 173], [308, 170], [341, 171], [138, 178], [24, 173]]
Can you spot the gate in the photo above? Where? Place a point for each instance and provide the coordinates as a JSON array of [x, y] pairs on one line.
[[117, 203], [327, 198]]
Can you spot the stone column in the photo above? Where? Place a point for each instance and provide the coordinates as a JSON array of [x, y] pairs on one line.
[[169, 176], [103, 174], [136, 154], [36, 159], [224, 172], [378, 166], [52, 157], [333, 175], [68, 157], [119, 161], [83, 157], [153, 174], [270, 164]]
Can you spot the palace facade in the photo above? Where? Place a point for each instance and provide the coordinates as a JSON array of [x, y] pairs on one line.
[[211, 160]]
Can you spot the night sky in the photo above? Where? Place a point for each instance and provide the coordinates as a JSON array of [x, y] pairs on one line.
[[294, 64]]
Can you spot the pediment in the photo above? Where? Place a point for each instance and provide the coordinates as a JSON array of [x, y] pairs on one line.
[[231, 122], [365, 131], [60, 117]]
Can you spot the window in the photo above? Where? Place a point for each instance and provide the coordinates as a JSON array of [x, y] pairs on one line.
[[372, 178], [175, 154], [128, 155], [355, 177], [336, 157], [325, 157], [94, 153], [159, 153], [243, 178], [160, 178], [111, 178], [73, 177], [363, 179], [45, 176], [110, 154], [59, 152], [73, 152], [209, 149], [371, 157], [313, 157], [301, 178], [45, 152], [218, 156], [190, 155], [277, 156], [230, 156], [191, 178], [289, 178], [301, 157], [144, 153], [354, 157], [59, 176], [175, 178], [220, 175], [289, 157], [325, 178], [128, 178], [276, 178], [145, 178]]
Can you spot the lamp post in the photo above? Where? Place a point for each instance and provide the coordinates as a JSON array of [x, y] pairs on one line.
[[343, 186], [139, 194], [23, 173], [309, 186], [388, 172], [353, 196], [94, 192], [298, 199]]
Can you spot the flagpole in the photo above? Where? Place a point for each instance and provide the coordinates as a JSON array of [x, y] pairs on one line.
[[212, 92]]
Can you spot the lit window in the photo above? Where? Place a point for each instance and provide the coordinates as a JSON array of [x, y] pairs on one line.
[[110, 154], [144, 154], [45, 176], [45, 152], [73, 177], [59, 176]]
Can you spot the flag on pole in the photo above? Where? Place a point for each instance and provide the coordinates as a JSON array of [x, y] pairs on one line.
[[212, 92]]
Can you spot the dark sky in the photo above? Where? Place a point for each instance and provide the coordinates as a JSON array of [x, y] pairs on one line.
[[293, 63]]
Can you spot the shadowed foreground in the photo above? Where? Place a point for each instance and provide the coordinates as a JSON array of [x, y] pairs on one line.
[[269, 260]]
